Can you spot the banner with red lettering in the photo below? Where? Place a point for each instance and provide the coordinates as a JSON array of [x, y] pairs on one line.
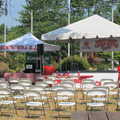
[[21, 48], [98, 45], [26, 43]]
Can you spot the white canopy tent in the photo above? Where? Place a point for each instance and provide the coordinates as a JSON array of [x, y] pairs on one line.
[[26, 43], [89, 32], [89, 28]]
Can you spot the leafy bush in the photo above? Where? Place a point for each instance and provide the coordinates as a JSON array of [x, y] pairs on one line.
[[81, 63], [11, 60], [3, 68]]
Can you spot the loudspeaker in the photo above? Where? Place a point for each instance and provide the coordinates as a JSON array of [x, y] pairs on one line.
[[40, 49]]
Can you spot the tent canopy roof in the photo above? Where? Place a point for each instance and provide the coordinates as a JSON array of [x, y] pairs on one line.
[[26, 41], [91, 27]]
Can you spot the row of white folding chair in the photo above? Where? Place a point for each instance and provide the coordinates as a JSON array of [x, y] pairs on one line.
[[62, 96], [55, 98], [25, 94], [40, 89]]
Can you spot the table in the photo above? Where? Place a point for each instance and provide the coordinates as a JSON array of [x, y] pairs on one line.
[[95, 115], [32, 76]]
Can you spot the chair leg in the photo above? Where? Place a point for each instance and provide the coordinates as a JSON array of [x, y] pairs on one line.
[[58, 113], [11, 113]]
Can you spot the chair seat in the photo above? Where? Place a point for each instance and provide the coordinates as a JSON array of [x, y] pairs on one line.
[[118, 103], [66, 103], [3, 96], [113, 93], [34, 103], [99, 99], [95, 104], [40, 98], [45, 93], [61, 98], [19, 97], [7, 102]]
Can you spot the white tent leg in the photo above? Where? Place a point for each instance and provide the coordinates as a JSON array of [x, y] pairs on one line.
[[68, 49], [112, 60], [17, 60], [60, 61]]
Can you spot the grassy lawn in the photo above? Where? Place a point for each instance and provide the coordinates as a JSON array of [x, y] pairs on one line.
[[34, 114]]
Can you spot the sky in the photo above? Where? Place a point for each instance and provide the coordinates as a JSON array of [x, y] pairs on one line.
[[13, 9]]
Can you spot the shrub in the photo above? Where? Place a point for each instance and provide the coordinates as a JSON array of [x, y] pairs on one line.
[[81, 63], [3, 68]]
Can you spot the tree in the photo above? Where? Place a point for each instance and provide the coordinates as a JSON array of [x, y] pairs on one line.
[[49, 15], [1, 7]]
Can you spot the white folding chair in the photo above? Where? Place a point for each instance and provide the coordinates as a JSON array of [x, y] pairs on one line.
[[106, 80], [51, 77], [4, 84], [27, 84], [69, 85], [71, 101], [96, 93], [17, 91], [42, 83], [26, 79], [73, 77], [30, 103], [40, 78], [85, 87], [102, 99], [113, 88], [87, 80], [62, 78], [13, 80], [42, 90], [52, 82], [9, 101], [46, 85], [2, 79], [54, 89], [69, 80]]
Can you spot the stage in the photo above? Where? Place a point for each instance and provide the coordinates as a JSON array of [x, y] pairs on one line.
[[95, 75]]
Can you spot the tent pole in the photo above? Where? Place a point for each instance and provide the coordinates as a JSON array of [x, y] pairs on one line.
[[112, 51], [68, 41], [60, 61], [17, 60], [81, 54]]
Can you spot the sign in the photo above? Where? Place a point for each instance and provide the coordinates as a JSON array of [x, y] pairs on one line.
[[18, 47], [100, 45], [34, 58]]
